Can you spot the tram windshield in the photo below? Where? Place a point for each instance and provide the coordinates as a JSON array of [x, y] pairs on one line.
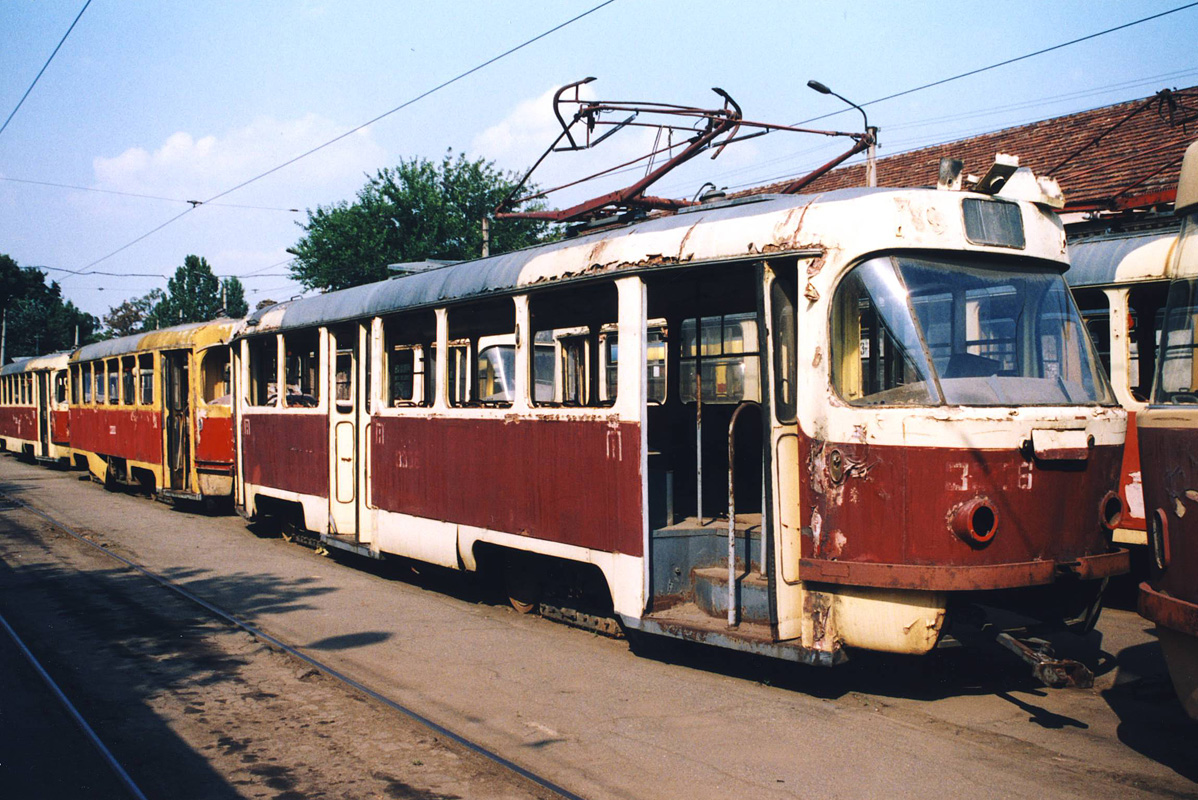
[[932, 331], [1177, 381]]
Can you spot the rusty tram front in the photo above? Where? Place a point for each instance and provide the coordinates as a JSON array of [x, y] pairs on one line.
[[792, 425], [153, 410], [1168, 442]]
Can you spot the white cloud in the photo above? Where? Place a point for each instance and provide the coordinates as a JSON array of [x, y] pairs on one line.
[[184, 166]]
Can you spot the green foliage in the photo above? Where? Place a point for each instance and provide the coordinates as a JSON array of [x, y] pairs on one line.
[[130, 316], [234, 293], [416, 211], [38, 320]]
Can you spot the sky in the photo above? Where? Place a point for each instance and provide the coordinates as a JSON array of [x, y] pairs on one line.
[[182, 102]]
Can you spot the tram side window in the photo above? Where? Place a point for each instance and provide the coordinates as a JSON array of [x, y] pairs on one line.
[[303, 368], [655, 362], [85, 378], [127, 384], [216, 376], [410, 345], [722, 352], [114, 382], [1178, 381], [482, 354], [1096, 314], [100, 382], [145, 379], [782, 312], [1146, 315], [74, 384], [60, 386], [264, 371], [569, 328]]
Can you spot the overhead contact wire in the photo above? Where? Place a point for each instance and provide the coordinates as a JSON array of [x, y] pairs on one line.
[[352, 131], [43, 69]]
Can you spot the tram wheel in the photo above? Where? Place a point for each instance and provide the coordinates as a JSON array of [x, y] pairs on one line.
[[522, 583]]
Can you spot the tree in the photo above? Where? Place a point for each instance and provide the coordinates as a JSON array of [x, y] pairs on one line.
[[131, 316], [416, 211], [234, 294], [38, 320], [193, 295]]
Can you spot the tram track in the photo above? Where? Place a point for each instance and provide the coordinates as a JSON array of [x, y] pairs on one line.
[[226, 617], [106, 755]]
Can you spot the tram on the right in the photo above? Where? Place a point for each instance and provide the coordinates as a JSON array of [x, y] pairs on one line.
[[1168, 429]]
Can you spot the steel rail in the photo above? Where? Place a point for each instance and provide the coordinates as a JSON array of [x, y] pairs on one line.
[[78, 719], [328, 670]]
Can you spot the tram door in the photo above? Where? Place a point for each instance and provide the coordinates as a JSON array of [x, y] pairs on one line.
[[343, 421], [176, 415], [43, 413], [786, 478]]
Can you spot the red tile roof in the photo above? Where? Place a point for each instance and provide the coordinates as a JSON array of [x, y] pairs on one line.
[[1134, 163]]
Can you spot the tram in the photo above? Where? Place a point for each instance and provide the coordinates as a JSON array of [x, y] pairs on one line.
[[1119, 282], [153, 411], [788, 424], [1168, 440], [34, 414]]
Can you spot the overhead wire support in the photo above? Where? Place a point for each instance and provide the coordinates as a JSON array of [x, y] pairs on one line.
[[43, 69]]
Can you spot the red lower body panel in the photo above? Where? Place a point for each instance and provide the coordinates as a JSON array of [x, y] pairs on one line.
[[574, 482], [132, 434], [287, 451]]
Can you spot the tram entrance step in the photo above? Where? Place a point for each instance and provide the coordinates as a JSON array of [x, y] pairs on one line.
[[752, 596], [678, 550]]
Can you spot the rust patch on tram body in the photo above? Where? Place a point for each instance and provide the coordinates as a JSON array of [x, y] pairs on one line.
[[884, 513], [1171, 490]]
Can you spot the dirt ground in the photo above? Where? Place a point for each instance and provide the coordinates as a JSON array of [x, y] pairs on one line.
[[193, 707]]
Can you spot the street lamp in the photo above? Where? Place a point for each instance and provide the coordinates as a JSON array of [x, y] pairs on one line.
[[871, 157]]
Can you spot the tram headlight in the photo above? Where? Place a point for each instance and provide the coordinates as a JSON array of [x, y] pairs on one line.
[[975, 521]]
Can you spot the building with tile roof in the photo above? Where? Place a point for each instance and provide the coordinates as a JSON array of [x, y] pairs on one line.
[[1119, 158]]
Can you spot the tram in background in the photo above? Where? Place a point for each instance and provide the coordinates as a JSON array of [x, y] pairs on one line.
[[1119, 283], [1168, 441], [792, 425], [153, 410], [34, 414]]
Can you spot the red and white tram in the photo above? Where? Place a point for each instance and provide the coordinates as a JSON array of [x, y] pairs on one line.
[[786, 424], [1168, 441], [34, 415]]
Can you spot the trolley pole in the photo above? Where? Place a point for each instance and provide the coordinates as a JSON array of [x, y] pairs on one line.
[[871, 157]]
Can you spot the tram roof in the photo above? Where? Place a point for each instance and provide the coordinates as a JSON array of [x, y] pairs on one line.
[[1123, 258], [734, 229], [49, 361], [186, 336]]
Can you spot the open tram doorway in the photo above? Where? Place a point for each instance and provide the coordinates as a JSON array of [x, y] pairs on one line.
[[43, 414], [176, 413], [705, 355], [345, 348]]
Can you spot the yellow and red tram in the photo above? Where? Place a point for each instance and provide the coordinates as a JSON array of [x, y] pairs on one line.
[[153, 410]]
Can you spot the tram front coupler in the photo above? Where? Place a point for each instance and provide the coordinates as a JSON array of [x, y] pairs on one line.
[[1057, 673]]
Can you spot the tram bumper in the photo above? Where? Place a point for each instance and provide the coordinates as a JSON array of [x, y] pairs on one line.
[[958, 578]]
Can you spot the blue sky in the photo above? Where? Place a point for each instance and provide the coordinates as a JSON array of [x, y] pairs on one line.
[[184, 101]]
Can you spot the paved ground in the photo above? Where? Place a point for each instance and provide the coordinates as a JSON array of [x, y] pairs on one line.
[[645, 719]]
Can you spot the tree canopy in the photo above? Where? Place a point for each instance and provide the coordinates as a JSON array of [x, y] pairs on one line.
[[416, 211], [38, 320], [194, 294]]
